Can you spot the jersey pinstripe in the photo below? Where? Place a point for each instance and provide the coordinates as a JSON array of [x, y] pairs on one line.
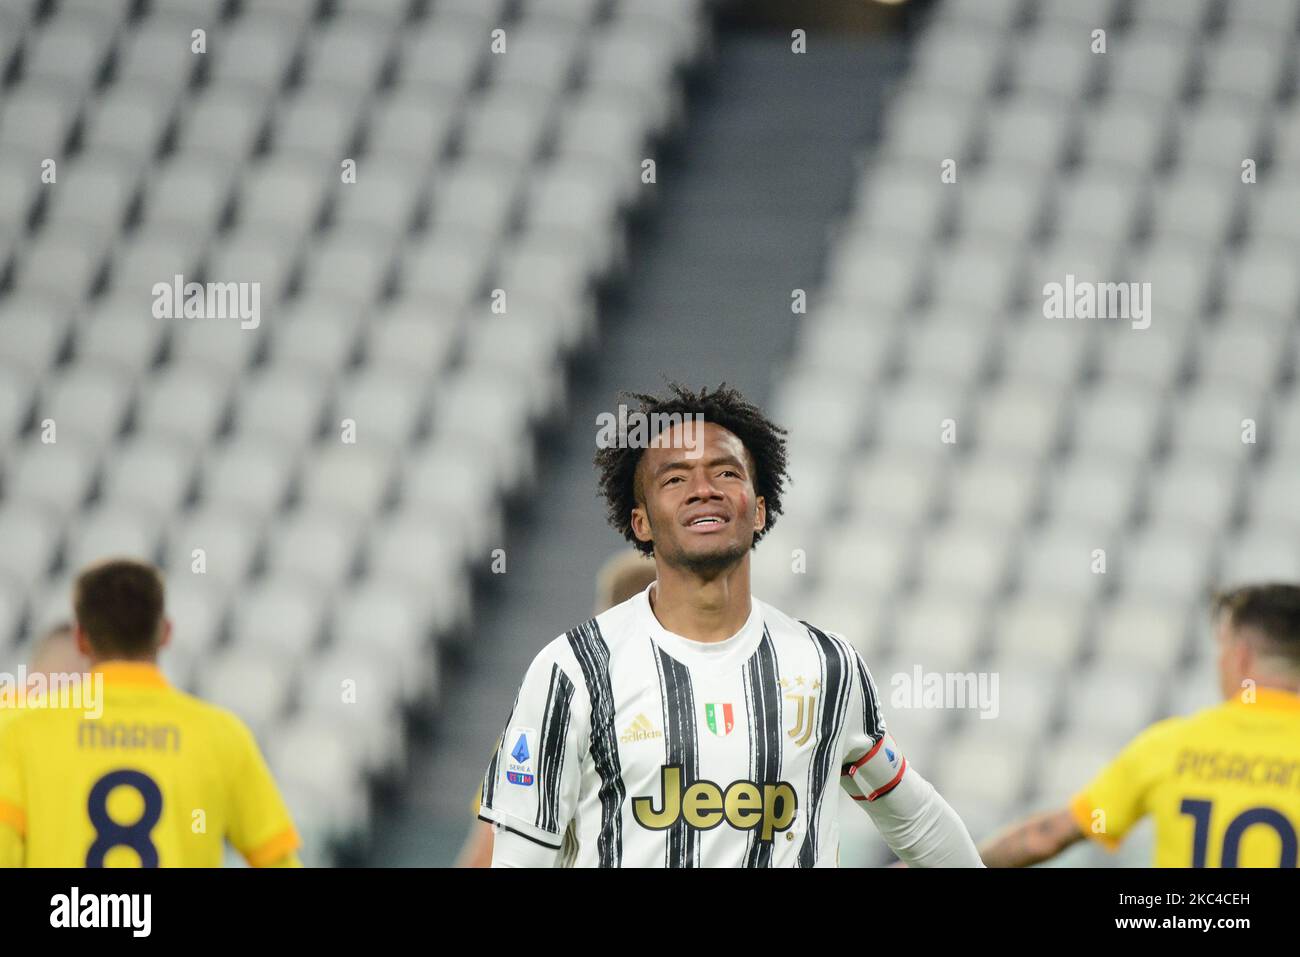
[[629, 746]]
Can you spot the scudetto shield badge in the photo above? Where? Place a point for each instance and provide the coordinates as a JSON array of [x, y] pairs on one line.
[[720, 718]]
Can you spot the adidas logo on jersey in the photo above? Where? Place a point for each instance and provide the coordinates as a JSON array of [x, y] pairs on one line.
[[639, 730]]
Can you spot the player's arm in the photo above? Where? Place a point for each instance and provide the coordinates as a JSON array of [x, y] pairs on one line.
[[261, 828], [1112, 803], [13, 813], [915, 821], [530, 789], [1033, 840], [477, 850]]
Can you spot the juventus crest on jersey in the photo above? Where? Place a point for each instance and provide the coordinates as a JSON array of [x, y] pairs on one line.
[[629, 746]]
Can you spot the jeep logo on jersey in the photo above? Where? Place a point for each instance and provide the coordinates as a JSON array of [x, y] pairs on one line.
[[745, 805]]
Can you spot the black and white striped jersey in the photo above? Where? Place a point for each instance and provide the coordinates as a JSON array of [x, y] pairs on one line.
[[629, 746]]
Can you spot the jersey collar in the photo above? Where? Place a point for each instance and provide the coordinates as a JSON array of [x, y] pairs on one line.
[[722, 653], [1275, 699], [140, 673]]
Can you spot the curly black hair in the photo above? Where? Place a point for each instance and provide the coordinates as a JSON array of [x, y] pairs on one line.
[[763, 440]]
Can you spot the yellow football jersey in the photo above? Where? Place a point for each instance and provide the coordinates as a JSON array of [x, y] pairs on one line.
[[1223, 786], [159, 779], [8, 713], [11, 707]]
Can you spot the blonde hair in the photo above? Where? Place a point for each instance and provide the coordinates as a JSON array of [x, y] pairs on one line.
[[622, 576]]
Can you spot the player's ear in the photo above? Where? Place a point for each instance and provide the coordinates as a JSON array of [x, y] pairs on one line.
[[760, 514], [166, 638], [641, 524], [1242, 653], [83, 643]]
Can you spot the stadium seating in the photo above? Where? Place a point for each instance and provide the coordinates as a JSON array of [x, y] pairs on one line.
[[1071, 434], [322, 561]]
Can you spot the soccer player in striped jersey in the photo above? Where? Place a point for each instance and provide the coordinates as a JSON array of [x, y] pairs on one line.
[[694, 725], [1222, 785], [144, 775]]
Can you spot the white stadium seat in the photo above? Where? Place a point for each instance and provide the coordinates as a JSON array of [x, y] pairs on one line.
[[278, 621]]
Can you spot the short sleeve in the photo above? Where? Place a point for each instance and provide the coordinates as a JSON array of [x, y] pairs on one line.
[[532, 782], [1116, 798], [872, 763], [260, 827]]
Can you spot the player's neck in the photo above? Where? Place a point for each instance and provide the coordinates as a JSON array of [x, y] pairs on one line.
[[1277, 683], [96, 662], [701, 609]]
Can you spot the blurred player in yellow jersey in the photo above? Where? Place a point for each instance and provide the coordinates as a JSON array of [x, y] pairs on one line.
[[55, 658], [1223, 785], [621, 577], [133, 772], [56, 652]]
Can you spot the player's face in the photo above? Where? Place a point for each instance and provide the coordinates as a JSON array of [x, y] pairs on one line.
[[699, 509]]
